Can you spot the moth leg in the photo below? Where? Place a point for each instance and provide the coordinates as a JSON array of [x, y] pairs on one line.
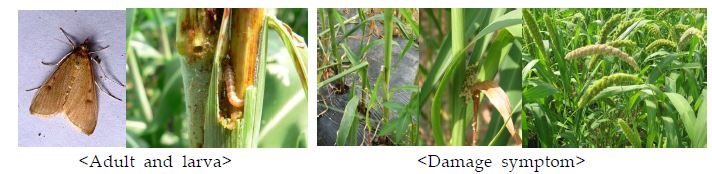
[[112, 78], [58, 62], [69, 39], [35, 88], [101, 88], [230, 88], [100, 49]]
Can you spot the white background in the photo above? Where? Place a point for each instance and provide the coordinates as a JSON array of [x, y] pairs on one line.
[[322, 159]]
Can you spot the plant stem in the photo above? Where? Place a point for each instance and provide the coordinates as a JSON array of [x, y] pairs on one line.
[[136, 74], [140, 90], [256, 94], [332, 39], [165, 44], [475, 113], [388, 45], [194, 42], [458, 136], [216, 135]]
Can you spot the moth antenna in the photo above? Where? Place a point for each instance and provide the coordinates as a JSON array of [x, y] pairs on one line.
[[58, 62], [112, 77], [101, 88], [67, 36], [100, 49], [68, 44]]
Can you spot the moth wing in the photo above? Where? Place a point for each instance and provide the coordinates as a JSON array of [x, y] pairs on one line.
[[81, 106], [52, 95]]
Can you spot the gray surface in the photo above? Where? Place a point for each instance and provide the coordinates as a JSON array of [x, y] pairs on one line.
[[40, 39], [402, 74]]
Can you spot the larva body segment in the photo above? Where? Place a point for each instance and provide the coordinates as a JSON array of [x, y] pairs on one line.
[[655, 45], [605, 82], [602, 49]]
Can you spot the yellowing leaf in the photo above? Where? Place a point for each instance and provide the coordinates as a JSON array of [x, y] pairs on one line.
[[499, 100]]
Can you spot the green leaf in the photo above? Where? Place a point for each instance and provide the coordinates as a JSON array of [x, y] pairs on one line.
[[701, 123], [540, 91], [496, 52], [394, 106], [506, 20], [687, 115], [144, 50], [651, 109], [407, 87], [597, 123], [455, 56], [528, 68], [342, 74], [672, 134], [345, 128]]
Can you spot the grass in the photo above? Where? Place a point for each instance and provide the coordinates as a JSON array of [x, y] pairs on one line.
[[339, 60], [582, 102]]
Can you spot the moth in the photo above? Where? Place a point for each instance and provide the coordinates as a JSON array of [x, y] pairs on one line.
[[71, 89]]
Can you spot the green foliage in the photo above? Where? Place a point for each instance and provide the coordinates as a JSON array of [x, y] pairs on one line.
[[339, 58], [573, 103], [491, 35]]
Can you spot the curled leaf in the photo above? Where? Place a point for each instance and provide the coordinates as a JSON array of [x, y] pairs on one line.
[[500, 101]]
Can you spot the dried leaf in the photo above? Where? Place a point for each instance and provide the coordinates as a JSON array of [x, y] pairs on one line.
[[499, 100]]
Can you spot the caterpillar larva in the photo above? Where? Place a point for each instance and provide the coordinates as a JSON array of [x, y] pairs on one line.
[[231, 92]]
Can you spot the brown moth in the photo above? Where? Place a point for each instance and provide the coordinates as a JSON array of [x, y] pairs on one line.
[[71, 88]]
